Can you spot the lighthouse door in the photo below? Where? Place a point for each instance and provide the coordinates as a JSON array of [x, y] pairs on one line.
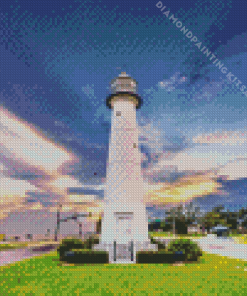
[[124, 249], [124, 227]]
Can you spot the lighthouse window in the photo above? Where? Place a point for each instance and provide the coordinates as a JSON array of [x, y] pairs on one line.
[[118, 113]]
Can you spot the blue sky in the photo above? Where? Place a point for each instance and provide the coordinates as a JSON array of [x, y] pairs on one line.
[[57, 60]]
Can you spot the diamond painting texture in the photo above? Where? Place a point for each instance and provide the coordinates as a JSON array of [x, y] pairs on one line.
[[133, 168]]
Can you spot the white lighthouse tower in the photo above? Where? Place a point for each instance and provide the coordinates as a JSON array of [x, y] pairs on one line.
[[125, 223]]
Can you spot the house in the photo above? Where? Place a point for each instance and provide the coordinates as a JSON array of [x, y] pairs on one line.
[[13, 238], [194, 228], [220, 230]]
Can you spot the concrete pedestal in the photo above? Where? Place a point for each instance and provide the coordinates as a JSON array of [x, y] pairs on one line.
[[117, 256]]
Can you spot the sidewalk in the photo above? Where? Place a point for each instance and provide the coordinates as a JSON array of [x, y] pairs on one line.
[[220, 246], [223, 247]]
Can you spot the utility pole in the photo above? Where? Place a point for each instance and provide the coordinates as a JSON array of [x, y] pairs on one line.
[[80, 230], [73, 217], [172, 211], [174, 228], [58, 223], [47, 235]]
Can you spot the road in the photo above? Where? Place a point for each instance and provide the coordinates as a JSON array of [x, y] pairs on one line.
[[12, 256]]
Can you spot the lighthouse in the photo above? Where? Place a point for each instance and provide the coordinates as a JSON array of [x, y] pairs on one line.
[[124, 228]]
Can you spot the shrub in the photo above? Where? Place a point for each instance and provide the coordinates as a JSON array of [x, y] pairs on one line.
[[69, 244], [86, 256], [163, 257], [187, 247], [90, 242], [161, 246]]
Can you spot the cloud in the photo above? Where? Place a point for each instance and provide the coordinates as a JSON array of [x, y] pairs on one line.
[[13, 190], [172, 83], [63, 182], [151, 136], [234, 171], [31, 163], [204, 157], [16, 205], [184, 190], [36, 206], [197, 169], [26, 145], [3, 169], [94, 190], [222, 137], [208, 91], [191, 171], [88, 90], [82, 198]]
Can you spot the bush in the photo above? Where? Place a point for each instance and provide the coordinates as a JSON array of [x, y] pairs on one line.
[[72, 243], [90, 242], [86, 256], [69, 244], [187, 247], [163, 257], [161, 246]]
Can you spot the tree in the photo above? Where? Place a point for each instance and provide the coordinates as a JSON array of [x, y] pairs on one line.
[[98, 225], [163, 225], [231, 219], [178, 220], [212, 219], [242, 213], [218, 209]]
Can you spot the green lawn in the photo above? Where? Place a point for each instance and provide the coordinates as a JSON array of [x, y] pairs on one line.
[[20, 245], [168, 235], [44, 275], [12, 246]]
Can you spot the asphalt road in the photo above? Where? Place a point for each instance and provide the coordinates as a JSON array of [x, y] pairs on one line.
[[12, 256]]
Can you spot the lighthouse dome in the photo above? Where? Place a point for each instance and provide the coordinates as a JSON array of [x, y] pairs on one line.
[[124, 86], [123, 83]]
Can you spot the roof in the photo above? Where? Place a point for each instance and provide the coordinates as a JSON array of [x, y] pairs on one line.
[[220, 227]]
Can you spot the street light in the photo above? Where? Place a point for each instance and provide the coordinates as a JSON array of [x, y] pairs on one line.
[[76, 216], [58, 223]]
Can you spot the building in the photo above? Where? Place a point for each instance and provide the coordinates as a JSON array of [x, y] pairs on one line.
[[220, 230], [125, 221], [193, 229]]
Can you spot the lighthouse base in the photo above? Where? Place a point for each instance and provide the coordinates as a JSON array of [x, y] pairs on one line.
[[124, 253]]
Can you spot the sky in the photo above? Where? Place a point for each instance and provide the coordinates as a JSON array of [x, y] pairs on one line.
[[57, 59]]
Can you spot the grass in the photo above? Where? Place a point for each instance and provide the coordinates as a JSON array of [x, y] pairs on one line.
[[44, 275], [168, 235], [240, 238], [12, 246], [21, 245]]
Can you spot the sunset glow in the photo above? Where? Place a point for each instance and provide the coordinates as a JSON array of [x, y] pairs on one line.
[[28, 146], [182, 191]]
